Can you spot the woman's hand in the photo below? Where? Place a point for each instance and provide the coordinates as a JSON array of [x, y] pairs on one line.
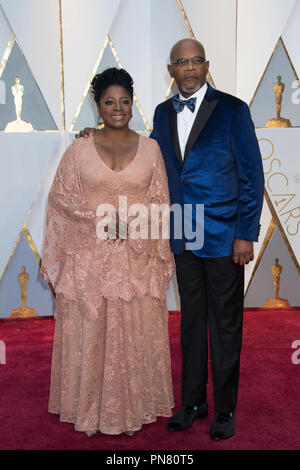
[[121, 231]]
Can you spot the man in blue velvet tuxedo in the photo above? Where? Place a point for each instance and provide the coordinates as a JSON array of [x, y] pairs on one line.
[[212, 157]]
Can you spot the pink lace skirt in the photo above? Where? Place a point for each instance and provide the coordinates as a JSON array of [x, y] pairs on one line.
[[113, 373]]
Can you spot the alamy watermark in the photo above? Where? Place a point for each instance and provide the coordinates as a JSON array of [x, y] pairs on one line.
[[2, 92], [139, 221], [2, 352], [296, 354], [296, 93]]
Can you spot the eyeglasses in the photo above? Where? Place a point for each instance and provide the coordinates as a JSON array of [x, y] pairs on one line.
[[182, 62]]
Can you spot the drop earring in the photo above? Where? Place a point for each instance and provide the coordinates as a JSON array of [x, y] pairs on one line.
[[100, 124]]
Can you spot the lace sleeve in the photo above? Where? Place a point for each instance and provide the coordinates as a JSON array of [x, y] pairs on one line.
[[160, 202], [67, 220]]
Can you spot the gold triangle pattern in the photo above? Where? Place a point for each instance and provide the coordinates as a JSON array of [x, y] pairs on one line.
[[191, 33], [280, 40], [7, 53], [107, 43], [24, 231], [278, 224], [8, 50], [275, 222], [12, 41]]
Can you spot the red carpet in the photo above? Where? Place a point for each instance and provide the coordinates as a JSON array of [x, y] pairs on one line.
[[268, 412]]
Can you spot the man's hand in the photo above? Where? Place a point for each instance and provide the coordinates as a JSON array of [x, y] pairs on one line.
[[87, 131], [242, 251]]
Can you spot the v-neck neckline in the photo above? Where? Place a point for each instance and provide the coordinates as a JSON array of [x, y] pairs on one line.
[[106, 166]]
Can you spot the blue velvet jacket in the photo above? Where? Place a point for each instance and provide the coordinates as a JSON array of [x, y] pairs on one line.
[[221, 169]]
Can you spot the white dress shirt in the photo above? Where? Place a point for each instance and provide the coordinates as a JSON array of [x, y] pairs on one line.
[[185, 119]]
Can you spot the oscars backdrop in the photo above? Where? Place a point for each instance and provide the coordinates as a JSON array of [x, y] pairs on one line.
[[50, 50]]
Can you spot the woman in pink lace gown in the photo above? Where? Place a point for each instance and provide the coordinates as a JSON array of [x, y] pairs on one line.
[[111, 361]]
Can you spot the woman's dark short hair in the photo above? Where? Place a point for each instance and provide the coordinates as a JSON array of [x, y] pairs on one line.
[[109, 77]]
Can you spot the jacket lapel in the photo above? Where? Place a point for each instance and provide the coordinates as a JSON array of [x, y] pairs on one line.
[[173, 131], [206, 109]]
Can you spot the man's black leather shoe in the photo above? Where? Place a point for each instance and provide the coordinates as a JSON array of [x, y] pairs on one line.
[[185, 417], [222, 426]]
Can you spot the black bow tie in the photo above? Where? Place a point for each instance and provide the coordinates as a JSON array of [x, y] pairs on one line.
[[180, 104]]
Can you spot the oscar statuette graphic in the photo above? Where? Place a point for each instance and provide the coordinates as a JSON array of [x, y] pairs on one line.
[[18, 125], [276, 302], [278, 121], [23, 279]]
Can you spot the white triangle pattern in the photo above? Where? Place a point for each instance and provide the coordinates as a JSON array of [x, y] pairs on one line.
[[239, 38], [44, 60]]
